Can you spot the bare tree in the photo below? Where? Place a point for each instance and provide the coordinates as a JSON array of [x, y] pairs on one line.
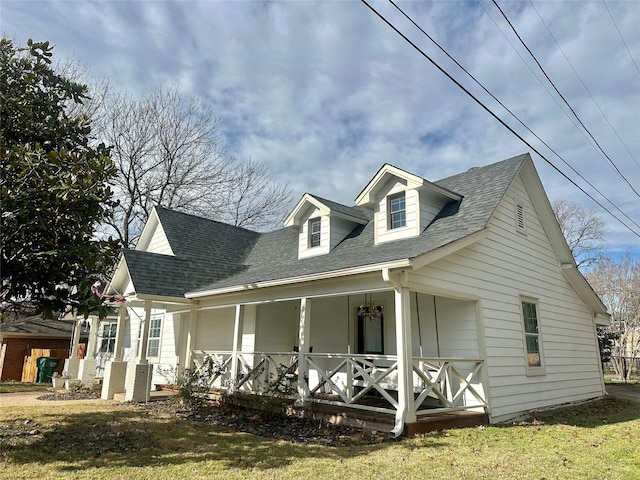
[[169, 152], [253, 199], [584, 231], [618, 284]]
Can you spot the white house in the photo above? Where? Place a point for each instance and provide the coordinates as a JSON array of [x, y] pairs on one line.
[[422, 299]]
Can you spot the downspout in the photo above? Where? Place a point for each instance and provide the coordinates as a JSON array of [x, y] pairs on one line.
[[406, 411]]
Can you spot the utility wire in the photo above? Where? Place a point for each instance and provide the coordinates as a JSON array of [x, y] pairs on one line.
[[535, 75], [583, 84], [393, 27], [510, 112], [621, 37], [611, 162]]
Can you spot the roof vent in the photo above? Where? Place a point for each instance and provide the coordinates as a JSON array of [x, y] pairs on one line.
[[473, 168]]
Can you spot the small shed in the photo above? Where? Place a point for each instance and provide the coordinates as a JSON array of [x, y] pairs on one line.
[[26, 339]]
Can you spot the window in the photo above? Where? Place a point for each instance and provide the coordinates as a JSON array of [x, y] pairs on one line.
[[108, 337], [153, 346], [531, 334], [314, 232], [397, 211]]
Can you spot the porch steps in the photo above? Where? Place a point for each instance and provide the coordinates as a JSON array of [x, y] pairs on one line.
[[384, 422], [444, 421]]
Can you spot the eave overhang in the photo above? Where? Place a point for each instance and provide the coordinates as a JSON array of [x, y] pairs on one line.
[[301, 279], [582, 287]]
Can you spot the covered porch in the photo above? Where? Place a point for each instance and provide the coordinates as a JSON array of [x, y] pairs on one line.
[[390, 356]]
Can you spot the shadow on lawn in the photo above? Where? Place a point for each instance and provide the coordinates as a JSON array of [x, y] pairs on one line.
[[140, 438], [608, 410]]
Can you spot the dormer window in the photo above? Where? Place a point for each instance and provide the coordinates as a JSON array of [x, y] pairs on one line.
[[397, 211], [314, 232]]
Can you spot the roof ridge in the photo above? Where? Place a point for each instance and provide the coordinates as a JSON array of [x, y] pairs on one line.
[[219, 222]]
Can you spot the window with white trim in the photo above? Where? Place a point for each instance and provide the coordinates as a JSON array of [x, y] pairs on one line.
[[155, 329], [315, 225], [108, 337], [397, 211], [531, 334]]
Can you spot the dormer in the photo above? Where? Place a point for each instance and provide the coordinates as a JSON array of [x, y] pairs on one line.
[[404, 204], [322, 224]]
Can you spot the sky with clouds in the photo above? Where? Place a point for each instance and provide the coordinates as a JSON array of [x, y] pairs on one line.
[[326, 92]]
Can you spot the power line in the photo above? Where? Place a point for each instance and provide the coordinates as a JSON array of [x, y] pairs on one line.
[[611, 162], [583, 84], [495, 116], [510, 112], [621, 37]]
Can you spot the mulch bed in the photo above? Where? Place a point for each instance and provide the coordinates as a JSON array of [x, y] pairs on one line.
[[273, 425], [84, 394], [241, 419]]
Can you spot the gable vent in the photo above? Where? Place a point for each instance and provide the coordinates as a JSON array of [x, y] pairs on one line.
[[520, 219]]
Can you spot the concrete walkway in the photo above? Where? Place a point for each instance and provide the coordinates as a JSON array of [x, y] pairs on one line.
[[30, 399]]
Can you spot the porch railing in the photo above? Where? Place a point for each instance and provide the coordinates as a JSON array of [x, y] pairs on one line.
[[367, 382]]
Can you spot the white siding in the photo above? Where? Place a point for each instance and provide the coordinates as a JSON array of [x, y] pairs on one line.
[[157, 242], [340, 228], [277, 326], [215, 329], [429, 208], [500, 269]]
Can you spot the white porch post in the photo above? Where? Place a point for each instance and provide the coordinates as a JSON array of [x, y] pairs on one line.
[[406, 404], [238, 327], [115, 371], [118, 348], [144, 332], [138, 381], [72, 363], [87, 367], [303, 348], [192, 331]]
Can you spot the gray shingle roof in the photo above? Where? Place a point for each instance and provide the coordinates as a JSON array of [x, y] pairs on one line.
[[212, 255], [355, 212], [36, 326]]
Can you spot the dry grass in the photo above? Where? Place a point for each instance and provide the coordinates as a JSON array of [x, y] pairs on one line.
[[105, 441]]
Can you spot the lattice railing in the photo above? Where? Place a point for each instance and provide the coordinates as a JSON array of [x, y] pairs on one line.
[[455, 383], [368, 382]]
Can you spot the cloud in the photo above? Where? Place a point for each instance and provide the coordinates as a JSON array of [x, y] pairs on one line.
[[325, 92]]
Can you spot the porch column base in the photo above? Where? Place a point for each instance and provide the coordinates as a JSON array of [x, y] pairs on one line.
[[138, 383], [87, 372], [115, 374], [71, 367]]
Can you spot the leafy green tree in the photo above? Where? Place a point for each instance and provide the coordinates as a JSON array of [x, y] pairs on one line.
[[54, 189]]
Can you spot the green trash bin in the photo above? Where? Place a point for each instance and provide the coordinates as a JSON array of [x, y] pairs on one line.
[[46, 367]]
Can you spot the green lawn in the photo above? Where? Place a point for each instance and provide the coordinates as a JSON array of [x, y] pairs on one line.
[[599, 440], [15, 387]]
